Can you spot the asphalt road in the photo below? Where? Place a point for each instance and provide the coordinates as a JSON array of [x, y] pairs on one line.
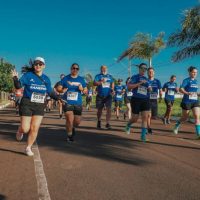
[[100, 164]]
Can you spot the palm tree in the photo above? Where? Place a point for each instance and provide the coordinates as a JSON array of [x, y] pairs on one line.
[[188, 37], [144, 46]]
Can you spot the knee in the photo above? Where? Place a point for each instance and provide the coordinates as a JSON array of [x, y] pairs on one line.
[[25, 129], [77, 123]]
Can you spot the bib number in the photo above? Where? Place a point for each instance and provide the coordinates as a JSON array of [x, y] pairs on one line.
[[129, 94], [142, 90], [153, 96], [171, 92], [72, 96], [193, 96], [119, 96], [105, 85], [37, 98]]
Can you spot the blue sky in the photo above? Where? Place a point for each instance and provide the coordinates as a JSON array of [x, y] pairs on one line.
[[88, 32]]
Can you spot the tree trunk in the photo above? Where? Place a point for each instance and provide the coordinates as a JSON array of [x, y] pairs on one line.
[[150, 62]]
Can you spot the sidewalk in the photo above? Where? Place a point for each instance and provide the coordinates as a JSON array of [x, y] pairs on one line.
[[4, 104]]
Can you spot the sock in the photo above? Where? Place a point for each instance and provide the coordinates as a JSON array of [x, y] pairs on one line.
[[177, 124], [129, 124], [144, 131], [197, 129], [69, 134]]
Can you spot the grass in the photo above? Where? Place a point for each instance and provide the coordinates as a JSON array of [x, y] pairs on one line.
[[176, 112]]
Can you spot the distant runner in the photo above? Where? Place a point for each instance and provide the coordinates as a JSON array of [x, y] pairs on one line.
[[170, 88], [89, 98], [127, 99]]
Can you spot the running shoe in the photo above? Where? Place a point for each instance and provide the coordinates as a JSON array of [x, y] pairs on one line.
[[168, 121], [128, 129], [175, 129], [28, 151], [70, 138], [99, 124], [108, 126], [19, 136], [150, 131], [60, 117], [117, 117]]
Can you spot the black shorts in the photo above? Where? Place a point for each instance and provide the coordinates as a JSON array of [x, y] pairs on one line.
[[77, 109], [154, 107], [88, 99], [189, 106], [103, 101], [127, 100], [28, 108], [169, 102], [139, 105], [118, 104]]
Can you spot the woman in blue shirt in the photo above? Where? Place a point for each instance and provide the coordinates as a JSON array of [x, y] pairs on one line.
[[189, 89], [73, 87], [36, 86]]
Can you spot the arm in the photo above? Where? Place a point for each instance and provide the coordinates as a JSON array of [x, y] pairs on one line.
[[16, 81], [135, 85]]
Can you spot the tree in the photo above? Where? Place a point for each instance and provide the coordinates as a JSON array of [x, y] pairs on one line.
[[6, 82], [89, 79], [187, 39], [144, 46]]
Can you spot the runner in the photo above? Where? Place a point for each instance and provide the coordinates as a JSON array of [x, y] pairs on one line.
[[118, 97], [156, 88], [190, 101], [73, 86], [105, 88], [89, 98], [127, 100], [59, 91], [170, 88], [32, 105], [140, 102]]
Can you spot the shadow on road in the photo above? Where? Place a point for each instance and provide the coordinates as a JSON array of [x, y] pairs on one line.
[[2, 197]]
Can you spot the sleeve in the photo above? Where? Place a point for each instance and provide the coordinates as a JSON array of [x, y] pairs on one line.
[[164, 86], [23, 80], [133, 80], [112, 80], [96, 79], [17, 83], [184, 84], [48, 85]]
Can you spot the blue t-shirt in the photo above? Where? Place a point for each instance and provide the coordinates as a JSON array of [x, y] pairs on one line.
[[142, 90], [171, 89], [104, 89], [128, 93], [90, 92], [156, 86], [73, 94], [35, 88], [118, 92], [190, 85]]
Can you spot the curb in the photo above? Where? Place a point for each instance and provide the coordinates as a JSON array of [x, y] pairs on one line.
[[5, 105]]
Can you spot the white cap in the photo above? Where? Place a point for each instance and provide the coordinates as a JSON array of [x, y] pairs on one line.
[[39, 59]]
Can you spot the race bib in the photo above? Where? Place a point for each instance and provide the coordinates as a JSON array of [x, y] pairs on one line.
[[129, 94], [171, 92], [72, 96], [153, 96], [119, 96], [105, 85], [37, 97], [142, 90], [193, 96]]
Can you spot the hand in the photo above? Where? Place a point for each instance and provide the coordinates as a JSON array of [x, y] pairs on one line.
[[69, 82], [14, 73], [80, 87], [143, 81]]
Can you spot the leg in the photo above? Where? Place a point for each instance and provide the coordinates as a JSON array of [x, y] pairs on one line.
[[69, 115], [35, 125], [129, 110], [196, 114]]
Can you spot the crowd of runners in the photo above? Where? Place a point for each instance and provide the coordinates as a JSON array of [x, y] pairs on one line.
[[141, 94]]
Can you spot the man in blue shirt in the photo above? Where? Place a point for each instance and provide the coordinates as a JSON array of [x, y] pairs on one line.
[[118, 98], [140, 100], [105, 88], [170, 88], [73, 87], [190, 101], [156, 88]]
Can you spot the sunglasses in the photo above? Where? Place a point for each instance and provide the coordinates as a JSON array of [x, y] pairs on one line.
[[40, 64], [75, 68]]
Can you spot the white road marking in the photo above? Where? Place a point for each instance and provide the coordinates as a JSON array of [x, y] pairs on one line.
[[43, 191], [189, 141]]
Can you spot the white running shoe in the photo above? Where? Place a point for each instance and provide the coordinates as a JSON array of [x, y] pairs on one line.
[[175, 130], [28, 151], [19, 136]]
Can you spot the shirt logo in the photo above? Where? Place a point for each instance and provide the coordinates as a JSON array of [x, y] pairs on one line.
[[32, 80]]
